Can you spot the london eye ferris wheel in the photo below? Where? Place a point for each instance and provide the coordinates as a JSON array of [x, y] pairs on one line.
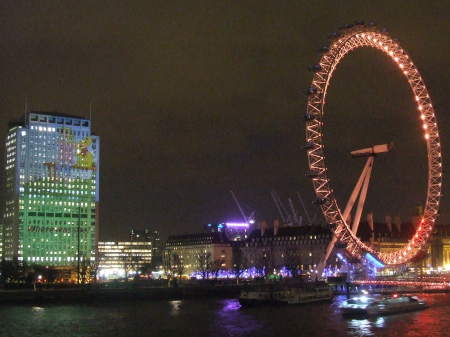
[[353, 36]]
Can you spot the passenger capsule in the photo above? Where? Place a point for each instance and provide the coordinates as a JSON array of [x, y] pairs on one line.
[[310, 91], [315, 68], [309, 117], [308, 145], [312, 174], [334, 35], [320, 201]]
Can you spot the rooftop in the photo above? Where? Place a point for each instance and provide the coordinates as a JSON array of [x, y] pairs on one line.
[[291, 231], [197, 238], [21, 120], [55, 114], [382, 230]]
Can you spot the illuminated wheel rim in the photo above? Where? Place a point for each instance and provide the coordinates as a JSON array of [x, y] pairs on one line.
[[353, 37]]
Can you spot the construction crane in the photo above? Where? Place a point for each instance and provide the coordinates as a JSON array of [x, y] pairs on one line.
[[247, 219], [304, 209], [284, 214], [244, 217], [288, 216], [297, 219]]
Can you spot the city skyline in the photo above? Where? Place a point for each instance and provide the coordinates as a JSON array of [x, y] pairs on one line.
[[224, 168], [190, 109]]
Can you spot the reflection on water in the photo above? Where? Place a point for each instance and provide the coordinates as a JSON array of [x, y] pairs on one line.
[[234, 321], [379, 323], [37, 309], [175, 307], [217, 318], [365, 326], [230, 305], [360, 327]]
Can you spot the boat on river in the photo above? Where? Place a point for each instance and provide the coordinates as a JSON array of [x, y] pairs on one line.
[[378, 306], [284, 294]]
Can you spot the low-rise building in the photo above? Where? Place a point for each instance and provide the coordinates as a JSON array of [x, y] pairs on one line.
[[439, 257], [197, 253], [152, 236], [296, 249], [388, 237], [292, 250], [122, 258]]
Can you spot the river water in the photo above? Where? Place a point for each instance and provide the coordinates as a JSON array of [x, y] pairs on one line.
[[217, 318]]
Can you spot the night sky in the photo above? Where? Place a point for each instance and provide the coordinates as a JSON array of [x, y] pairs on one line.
[[194, 98]]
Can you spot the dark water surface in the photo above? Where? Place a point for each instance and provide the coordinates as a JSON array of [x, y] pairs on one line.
[[218, 318]]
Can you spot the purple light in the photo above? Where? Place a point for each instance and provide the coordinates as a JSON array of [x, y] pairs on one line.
[[236, 224]]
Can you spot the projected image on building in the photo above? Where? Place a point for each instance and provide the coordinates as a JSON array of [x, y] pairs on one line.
[[52, 176]]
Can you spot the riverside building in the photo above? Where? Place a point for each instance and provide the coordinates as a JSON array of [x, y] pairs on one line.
[[119, 259], [51, 190], [298, 249], [393, 235], [147, 235], [191, 253]]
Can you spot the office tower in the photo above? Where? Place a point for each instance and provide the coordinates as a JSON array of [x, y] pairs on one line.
[[52, 190], [153, 237]]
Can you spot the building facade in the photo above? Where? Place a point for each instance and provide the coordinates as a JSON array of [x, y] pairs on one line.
[[152, 236], [52, 190], [122, 258], [391, 236], [296, 249], [197, 253], [440, 247]]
